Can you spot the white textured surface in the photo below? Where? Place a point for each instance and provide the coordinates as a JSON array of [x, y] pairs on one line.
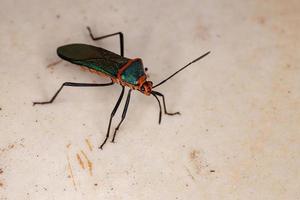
[[240, 106]]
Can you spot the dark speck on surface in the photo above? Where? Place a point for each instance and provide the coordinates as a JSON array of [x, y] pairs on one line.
[[212, 171]]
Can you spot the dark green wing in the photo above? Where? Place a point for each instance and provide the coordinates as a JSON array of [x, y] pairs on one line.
[[92, 57]]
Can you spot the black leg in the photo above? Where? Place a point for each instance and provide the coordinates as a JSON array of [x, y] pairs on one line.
[[123, 115], [159, 120], [105, 36], [164, 103], [111, 116], [72, 85]]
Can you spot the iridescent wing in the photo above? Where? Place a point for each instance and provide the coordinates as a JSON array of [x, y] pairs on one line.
[[93, 57]]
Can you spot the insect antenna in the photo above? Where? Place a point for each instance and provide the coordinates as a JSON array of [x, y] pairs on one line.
[[197, 59]]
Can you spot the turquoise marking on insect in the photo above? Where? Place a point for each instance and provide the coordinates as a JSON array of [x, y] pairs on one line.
[[124, 71], [133, 72]]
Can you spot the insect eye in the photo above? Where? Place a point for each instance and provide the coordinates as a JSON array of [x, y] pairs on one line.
[[142, 89]]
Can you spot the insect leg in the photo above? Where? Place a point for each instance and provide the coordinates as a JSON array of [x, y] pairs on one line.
[[123, 115], [109, 35], [72, 85], [159, 120], [164, 103], [111, 116]]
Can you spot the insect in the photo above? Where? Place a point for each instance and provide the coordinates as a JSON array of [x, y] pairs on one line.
[[121, 70]]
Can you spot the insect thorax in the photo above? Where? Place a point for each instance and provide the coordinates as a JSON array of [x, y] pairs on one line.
[[132, 72]]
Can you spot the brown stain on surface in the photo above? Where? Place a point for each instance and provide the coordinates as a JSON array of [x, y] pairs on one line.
[[12, 146], [260, 20], [80, 161], [90, 164], [89, 144], [71, 173], [1, 172], [195, 159], [194, 154], [51, 65]]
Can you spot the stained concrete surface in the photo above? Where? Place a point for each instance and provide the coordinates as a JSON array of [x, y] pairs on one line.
[[238, 135]]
